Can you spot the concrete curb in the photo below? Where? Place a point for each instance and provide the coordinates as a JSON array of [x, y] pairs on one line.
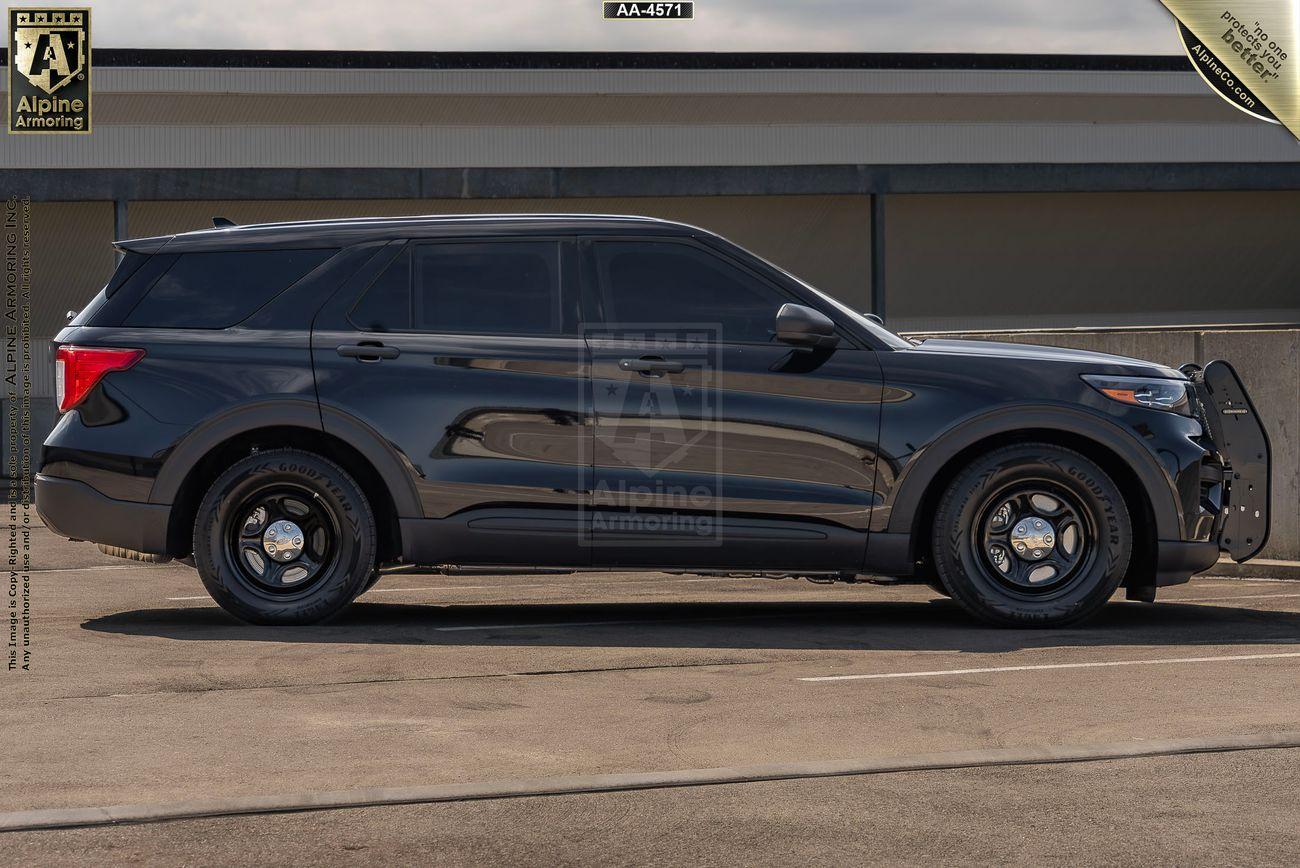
[[1259, 568], [63, 818]]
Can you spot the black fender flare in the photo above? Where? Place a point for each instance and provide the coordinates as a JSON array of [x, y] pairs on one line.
[[292, 413], [915, 481]]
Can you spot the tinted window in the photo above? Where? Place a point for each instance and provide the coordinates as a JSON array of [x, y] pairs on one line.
[[216, 290], [508, 287], [386, 305], [660, 283], [130, 263]]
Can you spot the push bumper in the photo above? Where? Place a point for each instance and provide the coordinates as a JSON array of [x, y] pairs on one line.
[[1242, 525], [73, 509]]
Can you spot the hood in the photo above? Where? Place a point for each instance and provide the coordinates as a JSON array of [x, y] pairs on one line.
[[1102, 362]]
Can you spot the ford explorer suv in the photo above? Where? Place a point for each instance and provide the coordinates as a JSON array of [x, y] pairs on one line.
[[290, 407]]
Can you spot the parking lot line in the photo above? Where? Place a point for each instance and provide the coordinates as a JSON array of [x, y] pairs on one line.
[[109, 815], [1229, 599], [1094, 665]]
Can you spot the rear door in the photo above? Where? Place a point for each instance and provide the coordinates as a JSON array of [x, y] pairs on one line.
[[465, 355], [714, 445]]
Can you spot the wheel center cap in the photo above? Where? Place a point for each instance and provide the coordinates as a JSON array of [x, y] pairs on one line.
[[1033, 538], [282, 541]]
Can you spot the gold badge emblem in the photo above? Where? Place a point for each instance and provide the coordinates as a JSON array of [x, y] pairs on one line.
[[49, 70], [1245, 51]]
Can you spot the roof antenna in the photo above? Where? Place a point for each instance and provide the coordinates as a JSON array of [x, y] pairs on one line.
[[222, 222]]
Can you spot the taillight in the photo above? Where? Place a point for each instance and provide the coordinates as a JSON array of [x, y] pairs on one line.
[[78, 369]]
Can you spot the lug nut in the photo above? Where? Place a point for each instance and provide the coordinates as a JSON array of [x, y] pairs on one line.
[[1038, 525], [298, 540]]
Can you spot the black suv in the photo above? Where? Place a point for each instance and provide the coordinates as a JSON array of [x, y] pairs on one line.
[[295, 405]]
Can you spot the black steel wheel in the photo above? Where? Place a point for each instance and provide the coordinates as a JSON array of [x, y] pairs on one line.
[[1035, 537], [1032, 535], [284, 537], [286, 541]]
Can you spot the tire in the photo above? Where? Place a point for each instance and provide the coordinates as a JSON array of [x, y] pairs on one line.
[[1032, 535], [327, 562], [132, 554]]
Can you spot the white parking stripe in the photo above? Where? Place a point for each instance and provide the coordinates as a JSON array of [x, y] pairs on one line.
[[1228, 599], [1096, 665]]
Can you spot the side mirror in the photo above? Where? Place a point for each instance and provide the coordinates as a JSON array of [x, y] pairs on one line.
[[875, 318], [805, 327]]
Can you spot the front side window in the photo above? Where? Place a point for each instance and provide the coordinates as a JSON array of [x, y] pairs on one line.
[[662, 283]]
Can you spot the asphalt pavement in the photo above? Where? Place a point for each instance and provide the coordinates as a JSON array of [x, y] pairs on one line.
[[143, 692]]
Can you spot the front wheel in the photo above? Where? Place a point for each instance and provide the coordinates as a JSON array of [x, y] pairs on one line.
[[284, 537], [1032, 535]]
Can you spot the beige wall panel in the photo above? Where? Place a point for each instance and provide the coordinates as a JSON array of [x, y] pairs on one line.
[[1047, 260], [72, 258], [825, 240]]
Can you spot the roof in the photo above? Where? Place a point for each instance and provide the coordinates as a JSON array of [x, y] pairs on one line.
[[275, 59], [353, 230]]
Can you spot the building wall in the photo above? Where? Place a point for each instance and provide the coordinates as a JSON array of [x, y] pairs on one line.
[[241, 117], [1044, 260]]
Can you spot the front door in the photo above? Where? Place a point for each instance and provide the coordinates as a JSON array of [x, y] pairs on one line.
[[715, 445], [465, 355]]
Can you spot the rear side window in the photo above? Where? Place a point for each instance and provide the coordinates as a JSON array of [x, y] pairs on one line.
[[495, 287], [386, 305], [219, 289]]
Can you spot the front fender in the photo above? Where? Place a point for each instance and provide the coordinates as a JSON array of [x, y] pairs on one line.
[[898, 518]]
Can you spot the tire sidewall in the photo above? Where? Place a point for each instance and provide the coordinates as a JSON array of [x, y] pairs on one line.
[[346, 576], [960, 565]]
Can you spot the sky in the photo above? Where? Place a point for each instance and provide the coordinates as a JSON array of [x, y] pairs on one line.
[[1020, 26]]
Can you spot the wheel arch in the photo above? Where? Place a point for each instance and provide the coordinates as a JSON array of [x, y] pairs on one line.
[[195, 463], [1147, 491]]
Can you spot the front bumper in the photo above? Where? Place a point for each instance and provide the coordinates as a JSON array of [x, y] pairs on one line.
[[73, 509]]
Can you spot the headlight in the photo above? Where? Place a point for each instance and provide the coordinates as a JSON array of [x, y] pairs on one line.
[[1153, 392]]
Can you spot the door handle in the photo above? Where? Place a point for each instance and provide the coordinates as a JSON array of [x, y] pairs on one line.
[[368, 351], [651, 365]]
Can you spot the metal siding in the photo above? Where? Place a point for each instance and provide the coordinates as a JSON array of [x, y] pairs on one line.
[[647, 145], [757, 81]]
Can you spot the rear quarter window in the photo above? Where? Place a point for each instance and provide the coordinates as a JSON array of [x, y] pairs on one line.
[[218, 289]]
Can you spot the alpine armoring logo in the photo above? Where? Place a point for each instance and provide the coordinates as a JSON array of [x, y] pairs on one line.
[[49, 70]]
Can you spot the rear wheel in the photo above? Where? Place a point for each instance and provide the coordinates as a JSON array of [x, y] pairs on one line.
[[1032, 535], [284, 537]]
